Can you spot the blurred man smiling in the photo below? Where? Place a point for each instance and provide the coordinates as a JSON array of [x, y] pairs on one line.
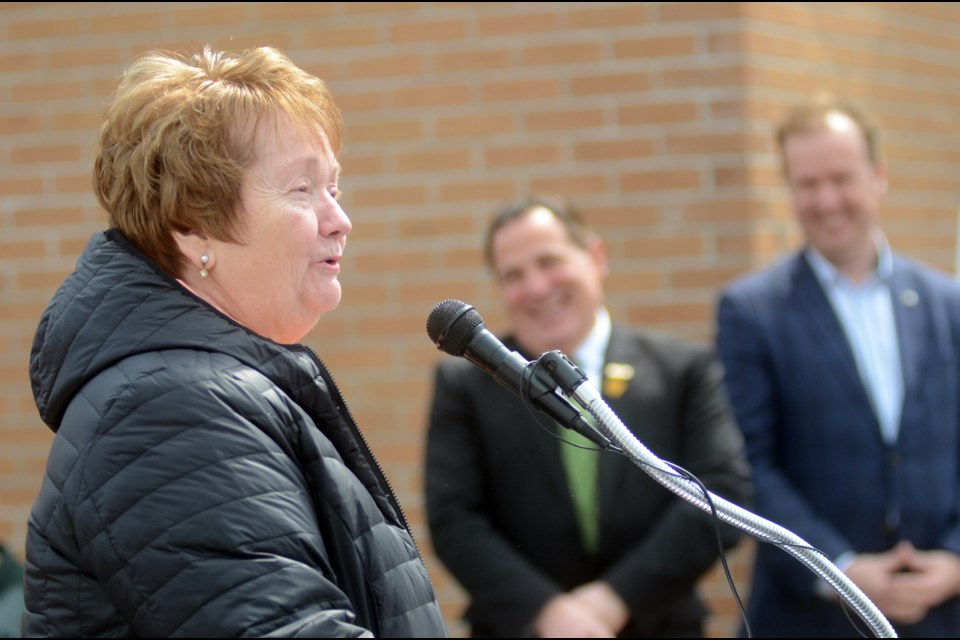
[[549, 538], [842, 368]]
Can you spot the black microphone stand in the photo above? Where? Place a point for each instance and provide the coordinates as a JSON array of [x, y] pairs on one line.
[[574, 383]]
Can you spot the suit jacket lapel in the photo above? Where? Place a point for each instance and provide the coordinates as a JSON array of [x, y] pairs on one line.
[[828, 333], [909, 312], [613, 466]]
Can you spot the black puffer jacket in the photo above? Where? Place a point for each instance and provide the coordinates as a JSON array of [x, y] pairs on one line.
[[204, 481]]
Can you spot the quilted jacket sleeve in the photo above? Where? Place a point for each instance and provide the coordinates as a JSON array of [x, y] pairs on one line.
[[187, 501]]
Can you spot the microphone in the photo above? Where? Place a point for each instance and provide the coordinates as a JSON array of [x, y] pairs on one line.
[[456, 328]]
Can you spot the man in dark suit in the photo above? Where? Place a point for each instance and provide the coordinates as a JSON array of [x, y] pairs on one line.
[[540, 550], [843, 370]]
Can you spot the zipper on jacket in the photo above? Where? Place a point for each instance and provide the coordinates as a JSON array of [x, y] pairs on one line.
[[368, 452]]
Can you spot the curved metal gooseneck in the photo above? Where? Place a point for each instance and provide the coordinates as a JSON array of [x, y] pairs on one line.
[[573, 383], [456, 328]]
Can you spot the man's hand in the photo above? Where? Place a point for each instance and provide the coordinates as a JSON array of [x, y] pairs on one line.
[[931, 578], [906, 583], [564, 616], [606, 603], [875, 573]]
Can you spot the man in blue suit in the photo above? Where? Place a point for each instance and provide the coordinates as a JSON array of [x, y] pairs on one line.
[[843, 371]]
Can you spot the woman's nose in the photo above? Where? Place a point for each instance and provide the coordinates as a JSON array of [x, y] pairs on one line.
[[333, 219]]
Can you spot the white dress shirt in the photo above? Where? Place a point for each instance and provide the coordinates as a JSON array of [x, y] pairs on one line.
[[865, 311], [591, 353]]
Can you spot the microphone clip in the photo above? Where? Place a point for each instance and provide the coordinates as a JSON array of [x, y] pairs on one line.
[[566, 375], [556, 372]]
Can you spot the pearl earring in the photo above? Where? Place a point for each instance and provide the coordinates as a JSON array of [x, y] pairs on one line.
[[204, 259]]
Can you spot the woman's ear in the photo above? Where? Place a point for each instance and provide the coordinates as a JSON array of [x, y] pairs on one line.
[[196, 249]]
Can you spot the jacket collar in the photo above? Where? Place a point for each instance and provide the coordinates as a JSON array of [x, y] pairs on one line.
[[118, 303]]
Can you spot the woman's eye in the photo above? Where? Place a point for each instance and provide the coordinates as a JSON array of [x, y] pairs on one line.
[[334, 192]]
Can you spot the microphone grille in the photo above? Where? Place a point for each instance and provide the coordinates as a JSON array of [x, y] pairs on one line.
[[450, 325]]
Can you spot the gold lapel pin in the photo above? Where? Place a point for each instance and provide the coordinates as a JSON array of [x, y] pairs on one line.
[[616, 378]]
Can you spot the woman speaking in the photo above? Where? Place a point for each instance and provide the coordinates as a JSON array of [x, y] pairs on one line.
[[207, 477]]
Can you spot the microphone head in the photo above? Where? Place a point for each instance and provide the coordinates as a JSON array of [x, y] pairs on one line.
[[450, 325]]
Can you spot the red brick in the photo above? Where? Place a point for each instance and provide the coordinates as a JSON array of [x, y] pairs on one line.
[[715, 144], [621, 15], [214, 17], [751, 176], [661, 179], [699, 11], [119, 24], [517, 90], [409, 65], [378, 7], [629, 216], [705, 78], [19, 62], [710, 278], [614, 149], [270, 11], [473, 60], [636, 281], [565, 119], [496, 190], [665, 247], [432, 31], [45, 154], [458, 258], [384, 131], [475, 125], [573, 186], [110, 56], [433, 160], [656, 47], [76, 183], [389, 196], [242, 42], [20, 124], [16, 249], [666, 113], [523, 155], [669, 314], [341, 37], [565, 53], [636, 82], [41, 29], [451, 224], [86, 121], [517, 24], [349, 102], [48, 217], [47, 92], [38, 280], [437, 96], [361, 165]]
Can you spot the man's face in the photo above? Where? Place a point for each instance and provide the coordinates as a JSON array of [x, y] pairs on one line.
[[837, 190], [551, 287]]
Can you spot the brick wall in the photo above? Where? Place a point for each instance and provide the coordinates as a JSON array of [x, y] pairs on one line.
[[654, 117]]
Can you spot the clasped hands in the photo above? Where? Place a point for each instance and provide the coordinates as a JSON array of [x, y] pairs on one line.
[[592, 610], [904, 582]]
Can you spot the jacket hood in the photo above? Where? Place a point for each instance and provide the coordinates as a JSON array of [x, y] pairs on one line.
[[118, 303]]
